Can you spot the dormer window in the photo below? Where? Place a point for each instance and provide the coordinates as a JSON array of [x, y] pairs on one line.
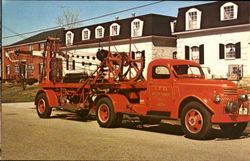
[[85, 34], [228, 11], [172, 25], [136, 28], [193, 19], [99, 32], [114, 29], [69, 38]]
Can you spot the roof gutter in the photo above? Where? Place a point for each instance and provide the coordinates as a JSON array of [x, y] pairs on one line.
[[210, 29]]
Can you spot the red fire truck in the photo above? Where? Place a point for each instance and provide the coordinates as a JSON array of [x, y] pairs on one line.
[[174, 89]]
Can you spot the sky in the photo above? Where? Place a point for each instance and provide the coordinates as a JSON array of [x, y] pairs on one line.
[[25, 16]]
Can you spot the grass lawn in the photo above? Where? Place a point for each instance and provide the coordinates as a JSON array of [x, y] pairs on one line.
[[15, 93]]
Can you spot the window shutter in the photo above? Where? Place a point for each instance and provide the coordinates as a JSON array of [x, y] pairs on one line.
[[237, 50], [73, 64], [187, 52], [222, 51], [201, 54], [67, 64]]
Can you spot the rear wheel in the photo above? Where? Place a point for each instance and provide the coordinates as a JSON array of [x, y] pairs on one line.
[[42, 106], [233, 130], [196, 121], [106, 117]]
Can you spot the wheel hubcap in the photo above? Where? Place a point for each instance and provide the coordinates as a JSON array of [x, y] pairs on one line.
[[41, 105], [103, 113], [194, 121]]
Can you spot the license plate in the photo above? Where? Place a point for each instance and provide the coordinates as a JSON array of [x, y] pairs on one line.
[[243, 111]]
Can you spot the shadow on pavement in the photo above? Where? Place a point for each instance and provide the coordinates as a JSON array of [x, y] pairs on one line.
[[135, 124]]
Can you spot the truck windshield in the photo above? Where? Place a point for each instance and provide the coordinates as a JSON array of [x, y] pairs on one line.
[[188, 71]]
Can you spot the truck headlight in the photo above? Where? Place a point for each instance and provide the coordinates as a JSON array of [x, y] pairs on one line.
[[217, 98], [231, 107], [243, 97]]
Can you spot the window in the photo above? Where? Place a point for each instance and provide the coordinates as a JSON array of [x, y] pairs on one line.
[[41, 66], [228, 11], [193, 19], [114, 29], [41, 46], [235, 71], [195, 54], [175, 55], [30, 47], [99, 32], [8, 70], [69, 38], [136, 28], [85, 34], [30, 69], [188, 69], [172, 25], [160, 72], [17, 68], [230, 51]]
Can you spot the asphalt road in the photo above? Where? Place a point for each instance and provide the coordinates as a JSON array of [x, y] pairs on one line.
[[63, 137]]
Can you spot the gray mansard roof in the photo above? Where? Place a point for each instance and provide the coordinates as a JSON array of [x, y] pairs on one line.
[[210, 15]]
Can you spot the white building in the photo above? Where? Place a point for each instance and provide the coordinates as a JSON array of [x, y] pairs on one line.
[[152, 33], [217, 35]]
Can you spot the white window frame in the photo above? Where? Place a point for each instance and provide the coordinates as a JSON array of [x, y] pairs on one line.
[[8, 69], [235, 11], [172, 25], [198, 24], [88, 36], [140, 30], [30, 69], [72, 38], [192, 56], [111, 29], [97, 36], [41, 46], [226, 51], [17, 69], [30, 47]]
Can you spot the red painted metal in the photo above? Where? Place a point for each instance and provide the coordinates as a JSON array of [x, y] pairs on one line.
[[194, 121], [113, 79], [41, 105], [103, 113]]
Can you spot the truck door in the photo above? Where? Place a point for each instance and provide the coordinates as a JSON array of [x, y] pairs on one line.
[[160, 89]]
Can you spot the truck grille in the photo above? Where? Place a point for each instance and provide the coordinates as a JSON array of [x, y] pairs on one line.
[[230, 91]]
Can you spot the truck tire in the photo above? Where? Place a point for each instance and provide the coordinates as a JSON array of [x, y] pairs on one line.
[[233, 130], [106, 117], [42, 106], [147, 120], [196, 121]]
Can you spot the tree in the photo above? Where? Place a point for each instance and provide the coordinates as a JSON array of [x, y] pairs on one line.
[[68, 18]]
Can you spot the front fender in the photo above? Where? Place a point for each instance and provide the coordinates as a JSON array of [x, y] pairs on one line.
[[51, 96]]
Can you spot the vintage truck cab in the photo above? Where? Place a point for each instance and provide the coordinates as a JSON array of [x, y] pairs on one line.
[[178, 88]]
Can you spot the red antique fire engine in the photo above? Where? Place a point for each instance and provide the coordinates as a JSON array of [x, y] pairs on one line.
[[174, 89]]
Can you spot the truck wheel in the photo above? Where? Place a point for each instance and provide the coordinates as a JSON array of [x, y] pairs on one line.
[[82, 114], [147, 120], [196, 121], [233, 130], [106, 117], [42, 106]]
